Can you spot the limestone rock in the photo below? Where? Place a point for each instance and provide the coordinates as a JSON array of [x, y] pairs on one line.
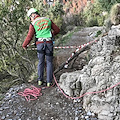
[[99, 77]]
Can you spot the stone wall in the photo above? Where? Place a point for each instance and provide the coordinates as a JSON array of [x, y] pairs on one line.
[[102, 72]]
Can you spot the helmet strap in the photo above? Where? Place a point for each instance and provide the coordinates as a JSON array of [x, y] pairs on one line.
[[33, 16]]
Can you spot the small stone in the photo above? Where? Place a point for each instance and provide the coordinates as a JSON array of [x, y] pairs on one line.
[[93, 114], [76, 112], [8, 95], [86, 117], [110, 115], [80, 108], [76, 118], [93, 119], [57, 103], [15, 111], [89, 113], [52, 118], [39, 118], [80, 111], [82, 116], [7, 115], [105, 112], [3, 117], [6, 108], [76, 100], [51, 106], [0, 113]]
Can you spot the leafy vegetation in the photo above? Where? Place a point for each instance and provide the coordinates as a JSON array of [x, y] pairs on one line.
[[115, 14], [107, 4], [95, 14], [14, 26]]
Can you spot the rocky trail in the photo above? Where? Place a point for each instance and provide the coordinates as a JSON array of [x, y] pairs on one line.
[[52, 105]]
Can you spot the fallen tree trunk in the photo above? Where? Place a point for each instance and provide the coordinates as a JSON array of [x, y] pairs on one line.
[[77, 53], [74, 56]]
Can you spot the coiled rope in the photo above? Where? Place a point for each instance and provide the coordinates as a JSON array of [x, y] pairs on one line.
[[33, 93]]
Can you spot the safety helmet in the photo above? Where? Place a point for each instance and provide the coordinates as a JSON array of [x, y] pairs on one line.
[[30, 11]]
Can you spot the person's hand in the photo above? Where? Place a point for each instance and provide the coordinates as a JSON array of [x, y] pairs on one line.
[[24, 48]]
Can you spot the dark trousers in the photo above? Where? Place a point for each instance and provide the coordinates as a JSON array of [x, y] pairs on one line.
[[45, 50]]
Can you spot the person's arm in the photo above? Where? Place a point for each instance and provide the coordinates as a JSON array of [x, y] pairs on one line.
[[29, 37], [55, 28]]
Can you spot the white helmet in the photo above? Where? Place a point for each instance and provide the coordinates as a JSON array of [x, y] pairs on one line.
[[30, 11]]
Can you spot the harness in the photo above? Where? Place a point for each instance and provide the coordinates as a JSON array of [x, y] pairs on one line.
[[45, 43]]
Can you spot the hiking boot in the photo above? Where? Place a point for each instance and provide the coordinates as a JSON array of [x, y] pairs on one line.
[[40, 82], [49, 84]]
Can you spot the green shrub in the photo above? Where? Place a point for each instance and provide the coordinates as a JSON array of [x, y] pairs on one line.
[[13, 24], [56, 12], [92, 22], [93, 14], [115, 14], [107, 4]]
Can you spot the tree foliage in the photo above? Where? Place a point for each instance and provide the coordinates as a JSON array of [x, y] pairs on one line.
[[107, 4], [94, 14], [14, 27], [13, 24], [98, 12], [41, 7], [115, 14]]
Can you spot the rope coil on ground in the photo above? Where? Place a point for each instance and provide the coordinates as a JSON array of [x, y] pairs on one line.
[[34, 92]]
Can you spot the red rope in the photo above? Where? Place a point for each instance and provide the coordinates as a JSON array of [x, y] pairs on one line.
[[85, 93], [34, 92]]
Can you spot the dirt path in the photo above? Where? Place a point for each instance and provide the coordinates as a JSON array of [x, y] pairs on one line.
[[52, 105]]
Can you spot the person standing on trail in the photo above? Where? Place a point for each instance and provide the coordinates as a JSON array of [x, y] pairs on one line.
[[44, 29]]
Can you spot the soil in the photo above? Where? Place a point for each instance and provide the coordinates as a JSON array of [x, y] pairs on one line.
[[52, 105]]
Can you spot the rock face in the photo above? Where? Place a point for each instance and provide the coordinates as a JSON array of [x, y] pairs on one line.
[[102, 72]]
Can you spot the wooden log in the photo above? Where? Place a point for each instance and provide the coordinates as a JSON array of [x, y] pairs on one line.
[[77, 53]]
